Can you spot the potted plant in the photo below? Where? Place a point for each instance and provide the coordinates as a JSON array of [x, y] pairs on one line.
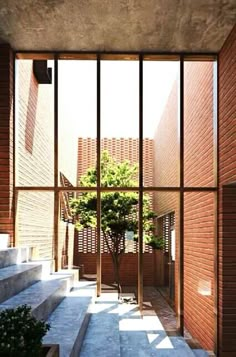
[[21, 333]]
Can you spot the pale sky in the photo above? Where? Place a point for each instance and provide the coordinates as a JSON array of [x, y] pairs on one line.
[[119, 96]]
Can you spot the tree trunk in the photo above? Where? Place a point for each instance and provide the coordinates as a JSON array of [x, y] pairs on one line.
[[116, 270], [116, 266], [115, 255]]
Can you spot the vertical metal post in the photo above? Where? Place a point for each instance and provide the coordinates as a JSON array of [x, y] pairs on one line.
[[180, 322], [15, 194], [140, 225], [99, 262], [216, 201], [56, 192]]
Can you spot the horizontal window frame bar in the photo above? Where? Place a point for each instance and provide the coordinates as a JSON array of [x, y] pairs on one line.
[[116, 55], [116, 189]]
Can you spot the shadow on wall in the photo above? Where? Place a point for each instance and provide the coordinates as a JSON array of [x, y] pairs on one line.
[[31, 114]]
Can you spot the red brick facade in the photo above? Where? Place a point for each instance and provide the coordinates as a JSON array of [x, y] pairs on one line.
[[121, 149], [128, 269], [198, 207], [35, 167]]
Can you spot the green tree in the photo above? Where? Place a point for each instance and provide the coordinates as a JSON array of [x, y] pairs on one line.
[[119, 209]]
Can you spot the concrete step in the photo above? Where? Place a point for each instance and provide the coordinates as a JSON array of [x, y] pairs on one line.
[[70, 319], [15, 278], [70, 275], [43, 297], [102, 337], [8, 257], [11, 256]]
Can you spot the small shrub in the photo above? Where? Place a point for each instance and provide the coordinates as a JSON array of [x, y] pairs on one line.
[[21, 333], [155, 242]]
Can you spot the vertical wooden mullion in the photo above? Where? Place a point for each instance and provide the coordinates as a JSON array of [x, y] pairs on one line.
[[140, 222], [216, 201], [180, 307], [15, 193], [56, 191], [99, 262]]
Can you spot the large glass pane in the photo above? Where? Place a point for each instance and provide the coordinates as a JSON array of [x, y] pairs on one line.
[[199, 112], [160, 123], [35, 222], [120, 118], [165, 272], [79, 214], [34, 123], [199, 262], [77, 114], [119, 224]]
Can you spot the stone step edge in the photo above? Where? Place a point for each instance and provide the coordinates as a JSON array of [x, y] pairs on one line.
[[80, 337], [60, 286], [78, 340], [19, 280], [13, 256], [28, 266], [84, 327]]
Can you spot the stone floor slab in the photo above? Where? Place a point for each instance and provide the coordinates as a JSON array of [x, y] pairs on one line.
[[68, 320], [102, 338]]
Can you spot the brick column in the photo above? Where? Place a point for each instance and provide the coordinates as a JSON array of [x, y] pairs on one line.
[[227, 213], [6, 141]]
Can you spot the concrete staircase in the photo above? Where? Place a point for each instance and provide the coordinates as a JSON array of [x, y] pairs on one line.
[[57, 298]]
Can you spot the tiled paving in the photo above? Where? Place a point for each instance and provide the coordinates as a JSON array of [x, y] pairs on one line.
[[154, 300], [118, 330], [102, 337], [167, 343]]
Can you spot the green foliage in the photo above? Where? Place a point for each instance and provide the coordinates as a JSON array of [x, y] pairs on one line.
[[20, 333], [119, 209]]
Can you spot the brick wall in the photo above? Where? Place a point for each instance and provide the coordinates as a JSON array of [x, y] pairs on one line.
[[198, 207], [227, 207], [121, 149], [128, 269], [35, 166], [198, 128], [6, 141], [34, 159], [199, 266], [166, 145], [166, 166], [34, 128]]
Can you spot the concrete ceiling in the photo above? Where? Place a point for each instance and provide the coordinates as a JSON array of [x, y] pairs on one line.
[[117, 25]]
